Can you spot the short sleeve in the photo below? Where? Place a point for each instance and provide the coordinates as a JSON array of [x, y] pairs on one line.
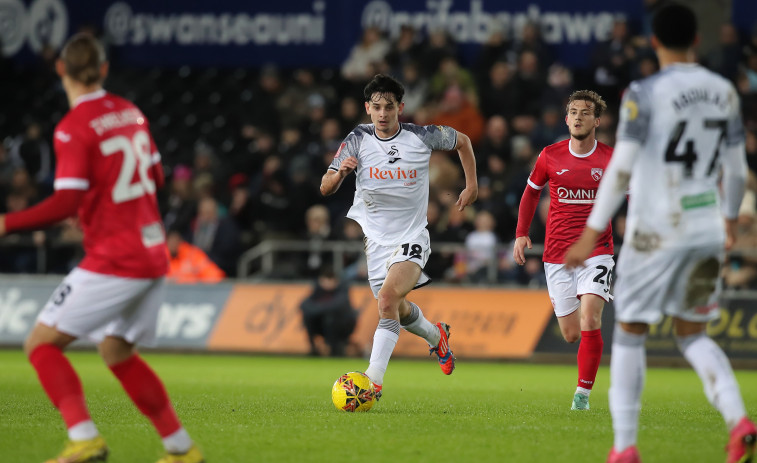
[[437, 137], [635, 114], [72, 167], [349, 147], [539, 177]]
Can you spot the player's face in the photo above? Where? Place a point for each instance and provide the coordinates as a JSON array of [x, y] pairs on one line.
[[385, 112], [580, 119]]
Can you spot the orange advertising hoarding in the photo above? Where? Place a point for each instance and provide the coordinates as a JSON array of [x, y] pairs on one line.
[[485, 323]]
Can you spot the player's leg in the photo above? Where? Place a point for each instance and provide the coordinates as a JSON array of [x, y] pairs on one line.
[[436, 335], [146, 390], [44, 346], [137, 323], [720, 385], [628, 366], [593, 287], [400, 280], [696, 303], [65, 317]]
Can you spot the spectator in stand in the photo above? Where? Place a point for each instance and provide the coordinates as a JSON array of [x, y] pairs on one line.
[[529, 84], [327, 312], [180, 207], [740, 269], [726, 56], [33, 152], [531, 40], [416, 89], [450, 74], [439, 45], [403, 50], [495, 142], [318, 231], [481, 248], [455, 110], [189, 264], [550, 128], [351, 112], [261, 111], [217, 236], [290, 105], [751, 149], [498, 91], [19, 250], [372, 48], [612, 61], [492, 51]]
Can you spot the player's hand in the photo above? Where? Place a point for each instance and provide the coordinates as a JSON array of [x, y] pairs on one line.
[[347, 166], [467, 197], [519, 247], [2, 224], [731, 227], [580, 250]]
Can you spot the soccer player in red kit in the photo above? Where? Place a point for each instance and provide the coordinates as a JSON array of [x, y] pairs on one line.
[[108, 170], [572, 168]]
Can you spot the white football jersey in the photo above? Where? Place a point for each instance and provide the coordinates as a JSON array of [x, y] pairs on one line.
[[392, 187], [684, 117]]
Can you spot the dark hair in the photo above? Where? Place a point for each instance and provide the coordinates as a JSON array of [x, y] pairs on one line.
[[384, 85], [591, 97], [82, 56], [675, 26]]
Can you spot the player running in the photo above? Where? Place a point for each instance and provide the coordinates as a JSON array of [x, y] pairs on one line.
[[677, 129], [107, 172], [572, 168], [391, 161]]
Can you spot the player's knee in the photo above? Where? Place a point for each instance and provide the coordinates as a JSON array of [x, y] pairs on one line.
[[388, 300], [571, 336]]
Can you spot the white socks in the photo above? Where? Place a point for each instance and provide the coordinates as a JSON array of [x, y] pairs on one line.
[[628, 366], [85, 430], [178, 442], [714, 369], [417, 324], [384, 339]]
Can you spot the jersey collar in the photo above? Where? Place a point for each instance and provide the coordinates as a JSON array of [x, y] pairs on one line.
[[375, 134], [89, 96], [585, 155]]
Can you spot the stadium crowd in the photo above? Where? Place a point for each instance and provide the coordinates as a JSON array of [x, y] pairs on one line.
[[245, 149]]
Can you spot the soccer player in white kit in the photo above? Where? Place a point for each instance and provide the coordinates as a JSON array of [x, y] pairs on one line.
[[573, 168], [391, 161], [678, 129], [107, 172]]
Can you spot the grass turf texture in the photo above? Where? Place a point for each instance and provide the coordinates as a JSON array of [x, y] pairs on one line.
[[278, 409]]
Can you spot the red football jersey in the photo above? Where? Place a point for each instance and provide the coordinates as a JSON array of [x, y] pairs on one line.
[[573, 181], [103, 146]]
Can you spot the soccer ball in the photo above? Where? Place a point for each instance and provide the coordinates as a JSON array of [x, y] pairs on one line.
[[353, 392]]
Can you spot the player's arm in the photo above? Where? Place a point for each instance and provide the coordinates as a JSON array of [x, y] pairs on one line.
[[60, 206], [468, 160], [610, 195], [734, 172], [332, 179], [528, 204]]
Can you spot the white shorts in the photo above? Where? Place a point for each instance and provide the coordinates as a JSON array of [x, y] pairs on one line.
[[380, 258], [93, 305], [567, 286], [683, 283]]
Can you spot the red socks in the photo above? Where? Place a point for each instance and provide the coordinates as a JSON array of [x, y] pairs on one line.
[[589, 356], [60, 382], [148, 394]]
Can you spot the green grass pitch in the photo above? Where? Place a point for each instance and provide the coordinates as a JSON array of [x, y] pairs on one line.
[[278, 409]]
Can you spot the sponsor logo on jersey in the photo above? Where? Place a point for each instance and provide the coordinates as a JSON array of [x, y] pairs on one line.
[[562, 171], [391, 174], [630, 110], [596, 173], [62, 136], [577, 196], [394, 152]]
